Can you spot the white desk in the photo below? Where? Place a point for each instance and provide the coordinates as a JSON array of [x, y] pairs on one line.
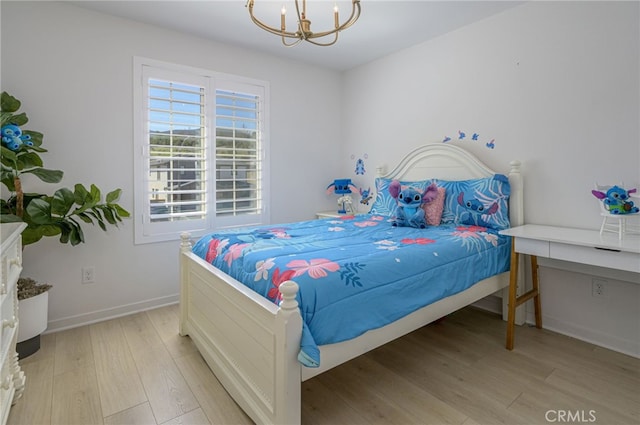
[[562, 243]]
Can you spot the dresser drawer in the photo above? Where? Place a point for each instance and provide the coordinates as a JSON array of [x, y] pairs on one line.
[[7, 389], [8, 319], [619, 260], [11, 266]]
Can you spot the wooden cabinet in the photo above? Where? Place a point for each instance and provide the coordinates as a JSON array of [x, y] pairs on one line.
[[11, 376]]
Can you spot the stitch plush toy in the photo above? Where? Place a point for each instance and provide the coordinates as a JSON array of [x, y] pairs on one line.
[[13, 138], [615, 200], [409, 212]]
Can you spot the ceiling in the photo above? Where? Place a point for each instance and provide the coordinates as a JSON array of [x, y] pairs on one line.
[[383, 27]]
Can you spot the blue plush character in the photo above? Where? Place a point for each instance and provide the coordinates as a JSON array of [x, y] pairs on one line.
[[13, 138], [360, 166], [409, 212], [340, 186], [615, 199], [365, 196], [475, 210]]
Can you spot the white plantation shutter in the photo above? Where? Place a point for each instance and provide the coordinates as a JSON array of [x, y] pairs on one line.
[[201, 140], [238, 153], [177, 183]]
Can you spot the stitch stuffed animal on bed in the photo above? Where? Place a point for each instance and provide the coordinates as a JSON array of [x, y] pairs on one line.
[[409, 212], [615, 200]]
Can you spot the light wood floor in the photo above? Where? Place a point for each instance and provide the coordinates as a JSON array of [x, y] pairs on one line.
[[137, 370]]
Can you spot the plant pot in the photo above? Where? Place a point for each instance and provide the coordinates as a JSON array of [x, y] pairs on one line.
[[32, 321]]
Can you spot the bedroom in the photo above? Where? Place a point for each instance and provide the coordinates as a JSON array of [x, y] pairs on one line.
[[559, 93]]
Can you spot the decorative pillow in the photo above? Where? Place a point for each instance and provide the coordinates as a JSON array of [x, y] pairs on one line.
[[481, 202], [433, 210], [384, 203]]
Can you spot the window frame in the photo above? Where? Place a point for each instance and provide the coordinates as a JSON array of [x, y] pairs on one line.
[[145, 69]]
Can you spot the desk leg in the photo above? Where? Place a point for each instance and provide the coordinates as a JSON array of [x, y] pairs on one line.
[[515, 300], [513, 288], [536, 290]]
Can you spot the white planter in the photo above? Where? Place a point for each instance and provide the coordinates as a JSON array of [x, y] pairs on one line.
[[32, 316]]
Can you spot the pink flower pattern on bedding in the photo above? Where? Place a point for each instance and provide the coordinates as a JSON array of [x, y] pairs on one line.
[[316, 268]]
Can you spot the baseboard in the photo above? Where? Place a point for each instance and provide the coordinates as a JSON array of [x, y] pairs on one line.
[[601, 339], [111, 313]]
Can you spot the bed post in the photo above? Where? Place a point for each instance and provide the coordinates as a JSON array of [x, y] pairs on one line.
[[516, 218], [185, 248], [288, 374]]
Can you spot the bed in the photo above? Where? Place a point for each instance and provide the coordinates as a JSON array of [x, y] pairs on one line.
[[256, 347]]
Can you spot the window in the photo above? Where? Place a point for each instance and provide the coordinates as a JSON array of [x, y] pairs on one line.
[[201, 158]]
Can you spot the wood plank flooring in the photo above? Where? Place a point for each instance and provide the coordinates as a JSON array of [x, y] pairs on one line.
[[138, 370]]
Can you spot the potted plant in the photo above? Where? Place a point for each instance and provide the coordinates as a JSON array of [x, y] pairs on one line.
[[61, 214], [33, 306]]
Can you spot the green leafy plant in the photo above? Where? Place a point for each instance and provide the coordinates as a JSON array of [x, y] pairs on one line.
[[45, 215]]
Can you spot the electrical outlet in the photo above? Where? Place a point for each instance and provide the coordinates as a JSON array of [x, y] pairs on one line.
[[88, 274], [598, 287]]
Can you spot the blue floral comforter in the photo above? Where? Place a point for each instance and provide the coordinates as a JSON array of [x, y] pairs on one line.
[[356, 273]]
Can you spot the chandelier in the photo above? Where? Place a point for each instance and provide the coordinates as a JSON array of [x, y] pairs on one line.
[[304, 32]]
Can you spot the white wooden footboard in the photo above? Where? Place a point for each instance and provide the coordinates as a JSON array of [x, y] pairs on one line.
[[250, 344]]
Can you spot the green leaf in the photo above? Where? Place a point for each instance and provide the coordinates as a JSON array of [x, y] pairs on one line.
[[65, 232], [76, 235], [29, 160], [30, 235], [49, 229], [85, 217], [9, 155], [33, 234], [19, 120], [62, 202], [40, 211], [121, 211], [38, 149], [99, 219], [9, 103], [47, 176], [108, 215], [5, 117], [7, 180], [9, 218], [36, 137], [113, 196], [81, 193], [95, 193]]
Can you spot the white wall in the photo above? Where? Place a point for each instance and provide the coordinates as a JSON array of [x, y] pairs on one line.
[[72, 69], [557, 85]]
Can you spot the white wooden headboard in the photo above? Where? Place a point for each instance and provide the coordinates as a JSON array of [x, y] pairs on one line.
[[450, 162]]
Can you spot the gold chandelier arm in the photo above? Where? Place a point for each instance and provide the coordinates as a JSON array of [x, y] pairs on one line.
[[310, 40], [295, 43], [267, 28], [355, 14]]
